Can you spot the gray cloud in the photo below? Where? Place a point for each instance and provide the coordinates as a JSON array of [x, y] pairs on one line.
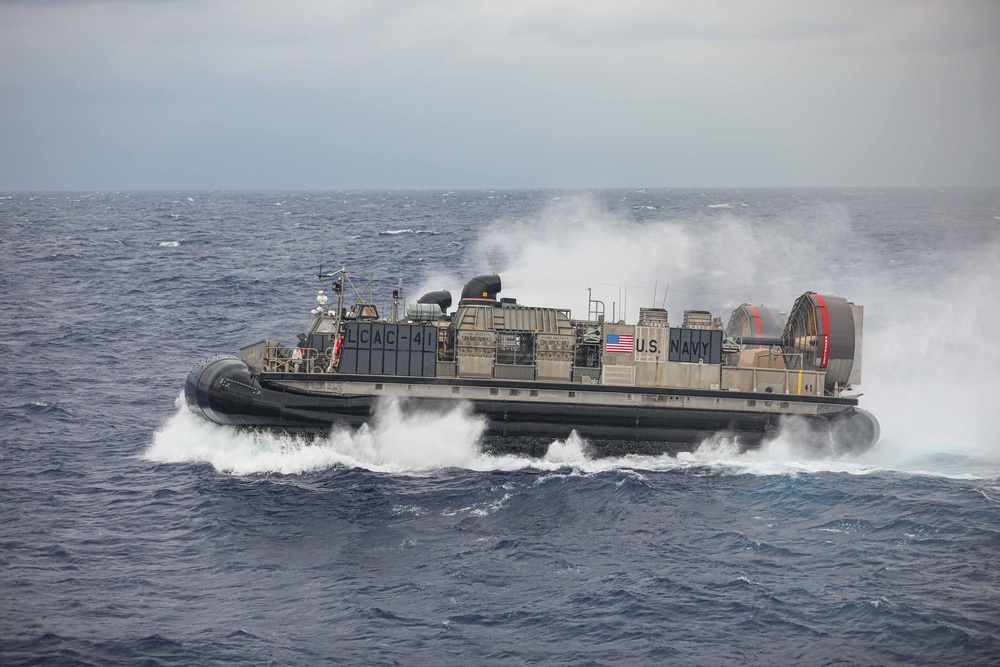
[[191, 94]]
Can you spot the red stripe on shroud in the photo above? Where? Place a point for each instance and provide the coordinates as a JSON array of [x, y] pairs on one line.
[[824, 317], [758, 327]]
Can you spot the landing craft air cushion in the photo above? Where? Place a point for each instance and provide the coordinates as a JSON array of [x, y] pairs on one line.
[[537, 375]]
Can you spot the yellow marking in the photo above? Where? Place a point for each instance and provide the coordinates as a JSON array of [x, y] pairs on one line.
[[800, 380]]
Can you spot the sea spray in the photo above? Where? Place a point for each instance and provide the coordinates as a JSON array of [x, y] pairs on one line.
[[708, 262], [399, 439], [403, 440]]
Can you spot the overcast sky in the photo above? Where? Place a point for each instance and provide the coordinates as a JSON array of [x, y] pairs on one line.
[[200, 94]]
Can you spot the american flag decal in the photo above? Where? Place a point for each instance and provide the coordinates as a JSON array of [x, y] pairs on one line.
[[619, 343]]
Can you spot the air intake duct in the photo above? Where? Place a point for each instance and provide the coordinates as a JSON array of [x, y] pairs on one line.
[[481, 290], [441, 299]]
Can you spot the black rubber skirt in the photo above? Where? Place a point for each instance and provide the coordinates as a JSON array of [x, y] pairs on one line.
[[224, 390]]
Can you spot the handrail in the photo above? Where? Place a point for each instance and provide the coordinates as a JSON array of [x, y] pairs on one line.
[[280, 358]]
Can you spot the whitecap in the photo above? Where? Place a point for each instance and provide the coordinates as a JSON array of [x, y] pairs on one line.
[[397, 232]]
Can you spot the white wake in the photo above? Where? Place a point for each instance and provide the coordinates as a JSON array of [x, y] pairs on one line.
[[406, 441]]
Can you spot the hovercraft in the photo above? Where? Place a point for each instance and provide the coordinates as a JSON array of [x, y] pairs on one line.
[[537, 374]]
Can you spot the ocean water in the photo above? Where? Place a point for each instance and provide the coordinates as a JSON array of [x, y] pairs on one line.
[[132, 532]]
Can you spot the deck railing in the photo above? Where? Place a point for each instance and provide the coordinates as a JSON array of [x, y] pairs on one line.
[[273, 357]]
